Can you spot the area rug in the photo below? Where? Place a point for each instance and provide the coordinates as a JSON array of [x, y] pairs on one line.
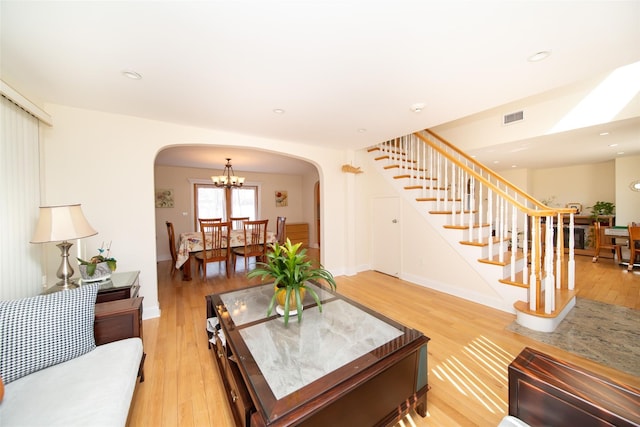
[[605, 333]]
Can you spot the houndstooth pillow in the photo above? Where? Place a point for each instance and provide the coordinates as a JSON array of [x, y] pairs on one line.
[[41, 331]]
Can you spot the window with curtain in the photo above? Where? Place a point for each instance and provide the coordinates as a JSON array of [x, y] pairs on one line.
[[20, 261], [215, 202]]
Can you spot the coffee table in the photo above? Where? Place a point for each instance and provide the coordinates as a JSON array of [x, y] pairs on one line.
[[345, 366]]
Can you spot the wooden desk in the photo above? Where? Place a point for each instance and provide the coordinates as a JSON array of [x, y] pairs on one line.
[[295, 375]]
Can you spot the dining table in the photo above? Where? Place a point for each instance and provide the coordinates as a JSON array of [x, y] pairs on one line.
[[621, 232], [190, 242]]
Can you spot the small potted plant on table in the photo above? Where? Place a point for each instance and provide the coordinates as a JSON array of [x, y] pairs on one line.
[[99, 267], [290, 269]]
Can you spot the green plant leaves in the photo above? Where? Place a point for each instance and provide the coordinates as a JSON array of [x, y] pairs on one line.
[[290, 268]]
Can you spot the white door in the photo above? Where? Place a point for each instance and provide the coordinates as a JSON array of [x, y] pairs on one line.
[[386, 235]]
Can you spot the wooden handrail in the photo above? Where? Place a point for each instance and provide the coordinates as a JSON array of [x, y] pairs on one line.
[[545, 211]]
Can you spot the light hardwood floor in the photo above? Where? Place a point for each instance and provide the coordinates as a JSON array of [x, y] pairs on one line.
[[468, 356]]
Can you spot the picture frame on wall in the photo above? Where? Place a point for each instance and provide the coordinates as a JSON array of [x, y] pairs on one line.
[[281, 199], [164, 198], [576, 206]]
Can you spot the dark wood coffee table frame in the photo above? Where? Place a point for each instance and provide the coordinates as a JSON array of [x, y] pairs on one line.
[[377, 388]]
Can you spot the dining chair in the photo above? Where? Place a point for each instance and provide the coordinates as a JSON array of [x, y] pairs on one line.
[[204, 222], [236, 222], [280, 229], [602, 241], [172, 247], [255, 236], [218, 234], [634, 244]]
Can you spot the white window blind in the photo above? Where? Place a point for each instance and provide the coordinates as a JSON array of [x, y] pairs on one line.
[[20, 261]]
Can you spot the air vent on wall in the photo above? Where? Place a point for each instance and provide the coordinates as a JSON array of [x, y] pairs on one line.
[[513, 117]]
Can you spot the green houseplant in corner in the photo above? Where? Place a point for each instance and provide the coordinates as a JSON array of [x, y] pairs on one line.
[[602, 208], [290, 269]]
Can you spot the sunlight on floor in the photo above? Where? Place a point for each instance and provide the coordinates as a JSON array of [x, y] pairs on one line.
[[479, 354]]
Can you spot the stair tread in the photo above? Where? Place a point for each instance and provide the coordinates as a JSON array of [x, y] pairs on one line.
[[518, 281], [484, 242], [562, 298], [464, 226], [451, 212], [495, 259]]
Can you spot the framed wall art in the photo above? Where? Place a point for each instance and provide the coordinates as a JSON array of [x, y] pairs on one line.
[[576, 206], [164, 198], [281, 199]]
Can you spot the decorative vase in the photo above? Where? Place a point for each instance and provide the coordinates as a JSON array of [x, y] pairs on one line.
[[281, 294], [102, 272]]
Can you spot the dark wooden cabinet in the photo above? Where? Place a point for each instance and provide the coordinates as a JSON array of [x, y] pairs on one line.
[[118, 320], [544, 391], [120, 286]]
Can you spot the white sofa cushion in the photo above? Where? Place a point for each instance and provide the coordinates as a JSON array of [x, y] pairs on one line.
[[45, 330], [91, 390]]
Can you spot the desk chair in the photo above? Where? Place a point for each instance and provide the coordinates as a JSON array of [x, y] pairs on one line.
[[218, 234], [634, 244], [172, 247], [602, 241], [255, 237]]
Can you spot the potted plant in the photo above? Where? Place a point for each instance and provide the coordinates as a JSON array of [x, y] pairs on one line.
[[602, 208], [99, 266], [290, 269]]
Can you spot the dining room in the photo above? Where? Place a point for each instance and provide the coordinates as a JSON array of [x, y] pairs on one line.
[[272, 186]]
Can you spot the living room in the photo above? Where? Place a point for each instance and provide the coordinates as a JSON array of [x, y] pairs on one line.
[[104, 157]]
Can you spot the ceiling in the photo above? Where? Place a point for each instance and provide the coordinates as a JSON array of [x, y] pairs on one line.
[[344, 73]]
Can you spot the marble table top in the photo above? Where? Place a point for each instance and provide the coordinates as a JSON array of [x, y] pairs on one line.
[[292, 357]]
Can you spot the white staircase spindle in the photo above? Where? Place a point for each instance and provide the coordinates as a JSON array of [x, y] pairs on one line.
[[514, 240], [549, 291], [525, 247], [571, 277]]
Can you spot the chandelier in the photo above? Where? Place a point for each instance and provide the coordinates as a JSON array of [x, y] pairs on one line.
[[228, 178]]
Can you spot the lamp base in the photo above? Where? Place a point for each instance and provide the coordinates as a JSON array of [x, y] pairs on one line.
[[65, 271], [64, 285]]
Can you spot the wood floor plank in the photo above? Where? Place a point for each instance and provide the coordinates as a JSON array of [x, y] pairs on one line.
[[468, 354]]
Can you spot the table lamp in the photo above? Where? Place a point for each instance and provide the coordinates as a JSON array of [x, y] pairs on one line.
[[62, 223]]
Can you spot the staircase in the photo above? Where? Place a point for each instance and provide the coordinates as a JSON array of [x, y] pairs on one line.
[[508, 236]]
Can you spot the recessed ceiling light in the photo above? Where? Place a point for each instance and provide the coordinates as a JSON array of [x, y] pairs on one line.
[[604, 134], [278, 110], [612, 145], [417, 108], [514, 166], [132, 74], [362, 130], [539, 56], [495, 162], [620, 152]]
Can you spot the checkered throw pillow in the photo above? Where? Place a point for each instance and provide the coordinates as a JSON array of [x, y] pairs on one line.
[[41, 331]]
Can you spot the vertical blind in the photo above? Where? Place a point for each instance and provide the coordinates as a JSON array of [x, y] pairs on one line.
[[20, 261]]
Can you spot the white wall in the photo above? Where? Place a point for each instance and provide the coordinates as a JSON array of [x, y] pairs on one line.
[[106, 162], [299, 191], [584, 184], [627, 201], [426, 258]]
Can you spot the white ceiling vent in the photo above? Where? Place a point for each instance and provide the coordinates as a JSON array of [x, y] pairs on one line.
[[518, 116]]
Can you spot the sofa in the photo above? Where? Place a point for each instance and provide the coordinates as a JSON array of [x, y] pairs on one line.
[[54, 374]]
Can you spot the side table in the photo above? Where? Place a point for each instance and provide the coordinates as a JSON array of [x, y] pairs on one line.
[[119, 286], [117, 320]]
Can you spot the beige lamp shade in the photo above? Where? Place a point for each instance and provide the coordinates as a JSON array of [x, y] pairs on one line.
[[59, 223]]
